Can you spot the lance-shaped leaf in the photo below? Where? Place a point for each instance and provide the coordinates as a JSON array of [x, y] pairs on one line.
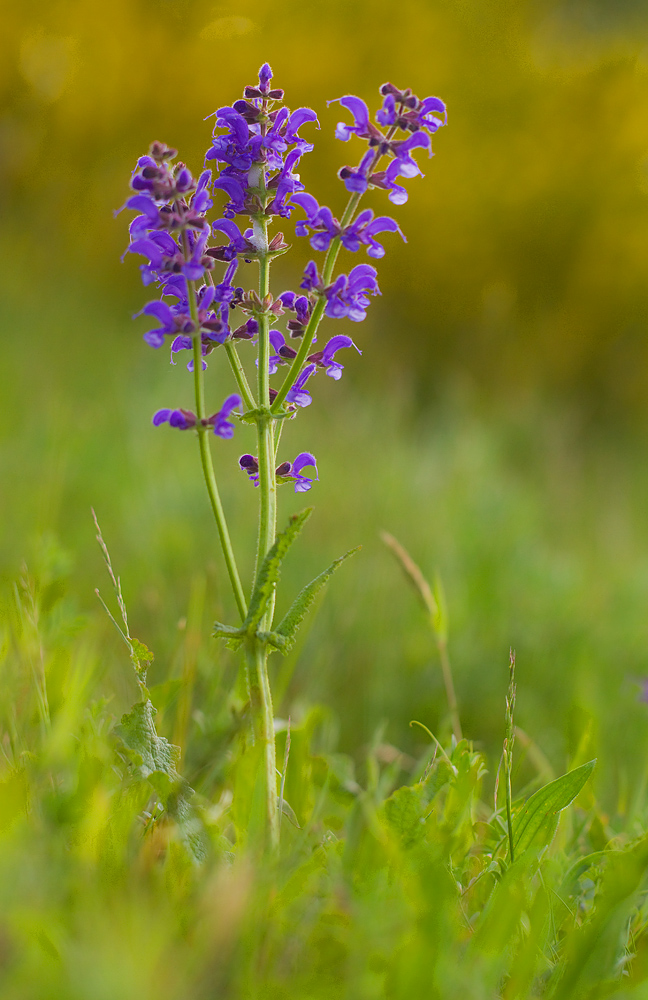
[[289, 625], [271, 569], [535, 824]]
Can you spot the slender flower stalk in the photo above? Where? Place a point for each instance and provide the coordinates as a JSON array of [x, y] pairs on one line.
[[208, 467], [239, 374], [256, 148]]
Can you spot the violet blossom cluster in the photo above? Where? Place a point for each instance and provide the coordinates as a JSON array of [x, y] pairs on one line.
[[253, 162]]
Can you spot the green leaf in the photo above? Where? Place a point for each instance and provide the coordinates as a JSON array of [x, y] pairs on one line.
[[233, 636], [404, 812], [534, 825], [289, 625], [154, 760], [141, 652], [289, 813], [152, 755], [273, 639], [271, 569]]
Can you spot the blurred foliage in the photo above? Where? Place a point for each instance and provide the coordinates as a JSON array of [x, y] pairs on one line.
[[393, 879], [527, 264]]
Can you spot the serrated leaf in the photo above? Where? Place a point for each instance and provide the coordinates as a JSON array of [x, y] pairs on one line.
[[141, 652], [271, 569], [154, 760], [289, 625], [227, 631], [273, 639], [151, 754], [233, 636], [534, 825]]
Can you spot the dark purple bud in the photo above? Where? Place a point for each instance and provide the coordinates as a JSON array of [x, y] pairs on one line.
[[250, 465], [265, 76], [160, 152]]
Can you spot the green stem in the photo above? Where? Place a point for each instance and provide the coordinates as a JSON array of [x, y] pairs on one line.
[[239, 375], [236, 366], [206, 458], [267, 515], [509, 817], [260, 655]]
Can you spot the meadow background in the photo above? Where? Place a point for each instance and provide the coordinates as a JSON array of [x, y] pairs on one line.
[[496, 422]]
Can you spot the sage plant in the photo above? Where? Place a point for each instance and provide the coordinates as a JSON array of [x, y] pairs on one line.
[[202, 311]]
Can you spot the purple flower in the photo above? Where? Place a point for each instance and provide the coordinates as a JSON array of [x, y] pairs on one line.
[[327, 228], [404, 109], [186, 419], [300, 305], [236, 192], [325, 358], [201, 201], [364, 230], [297, 394], [356, 180], [406, 164], [173, 321], [311, 281], [293, 471], [182, 419], [237, 243], [287, 471], [425, 118], [347, 296], [250, 465], [294, 123], [222, 426], [283, 354], [164, 255], [247, 330], [284, 184], [193, 269], [361, 125]]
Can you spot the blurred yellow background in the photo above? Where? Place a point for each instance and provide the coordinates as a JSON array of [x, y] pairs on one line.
[[527, 263]]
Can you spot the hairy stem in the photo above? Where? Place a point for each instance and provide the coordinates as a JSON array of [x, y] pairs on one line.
[[267, 513], [239, 375], [206, 458]]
